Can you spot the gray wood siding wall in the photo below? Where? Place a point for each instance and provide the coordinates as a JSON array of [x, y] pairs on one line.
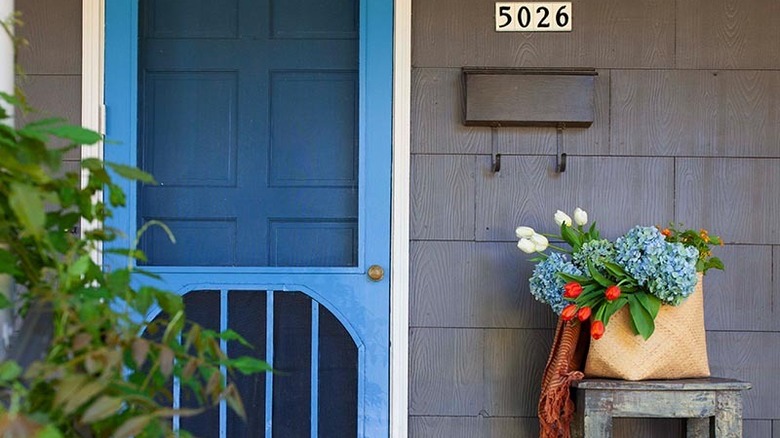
[[51, 63], [687, 129]]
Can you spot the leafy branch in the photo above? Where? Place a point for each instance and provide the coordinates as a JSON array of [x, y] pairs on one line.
[[98, 377]]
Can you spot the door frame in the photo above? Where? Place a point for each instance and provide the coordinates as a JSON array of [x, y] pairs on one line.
[[93, 117]]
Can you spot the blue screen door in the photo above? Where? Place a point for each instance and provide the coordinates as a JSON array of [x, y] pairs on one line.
[[267, 125]]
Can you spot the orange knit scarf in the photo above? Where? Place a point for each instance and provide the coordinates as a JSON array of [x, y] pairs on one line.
[[564, 366]]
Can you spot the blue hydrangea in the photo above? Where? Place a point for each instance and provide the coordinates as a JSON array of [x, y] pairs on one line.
[[546, 285], [639, 252], [596, 252], [668, 270], [676, 277]]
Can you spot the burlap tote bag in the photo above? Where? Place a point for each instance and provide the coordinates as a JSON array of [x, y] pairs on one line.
[[676, 350]]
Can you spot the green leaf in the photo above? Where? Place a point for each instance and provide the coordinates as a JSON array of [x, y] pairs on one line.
[[10, 370], [612, 307], [118, 281], [615, 269], [571, 237], [174, 327], [650, 302], [76, 134], [91, 163], [49, 431], [248, 365], [42, 123], [582, 280], [600, 279], [144, 272], [116, 196], [132, 173], [5, 303], [643, 321], [231, 335], [169, 302], [80, 266], [715, 263], [27, 204], [8, 263]]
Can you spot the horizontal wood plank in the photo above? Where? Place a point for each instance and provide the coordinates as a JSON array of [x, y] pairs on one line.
[[752, 357], [695, 113], [53, 30], [446, 371], [437, 115], [442, 204], [514, 362], [756, 428], [728, 34], [633, 404], [580, 141], [605, 34], [448, 427], [609, 386], [735, 198], [467, 284], [445, 427], [741, 297], [618, 193]]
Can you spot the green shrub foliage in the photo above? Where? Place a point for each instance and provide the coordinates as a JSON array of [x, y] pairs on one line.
[[99, 377]]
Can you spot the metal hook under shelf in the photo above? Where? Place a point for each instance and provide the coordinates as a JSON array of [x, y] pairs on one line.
[[495, 165], [560, 157]]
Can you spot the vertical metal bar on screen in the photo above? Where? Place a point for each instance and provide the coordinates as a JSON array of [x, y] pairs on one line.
[[269, 354], [223, 325], [176, 401], [315, 369]]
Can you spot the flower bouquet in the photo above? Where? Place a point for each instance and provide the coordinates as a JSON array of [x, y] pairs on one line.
[[643, 279]]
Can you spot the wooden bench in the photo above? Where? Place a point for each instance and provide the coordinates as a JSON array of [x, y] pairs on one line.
[[703, 402]]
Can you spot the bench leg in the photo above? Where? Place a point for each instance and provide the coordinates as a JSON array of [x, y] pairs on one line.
[[593, 418], [728, 417], [576, 424], [597, 424], [698, 427]]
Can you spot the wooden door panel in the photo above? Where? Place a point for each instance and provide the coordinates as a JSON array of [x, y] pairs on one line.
[[251, 128]]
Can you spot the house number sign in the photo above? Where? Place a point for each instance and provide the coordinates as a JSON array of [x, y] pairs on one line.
[[533, 17]]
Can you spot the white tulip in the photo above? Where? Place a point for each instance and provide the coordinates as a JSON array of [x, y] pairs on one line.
[[524, 232], [562, 218], [580, 216], [526, 246], [540, 242]]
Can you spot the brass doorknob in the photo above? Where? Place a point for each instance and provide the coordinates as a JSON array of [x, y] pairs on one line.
[[376, 273]]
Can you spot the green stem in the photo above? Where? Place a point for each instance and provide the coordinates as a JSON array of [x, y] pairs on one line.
[[558, 248]]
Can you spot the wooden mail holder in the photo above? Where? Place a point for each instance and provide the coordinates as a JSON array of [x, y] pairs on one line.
[[705, 403]]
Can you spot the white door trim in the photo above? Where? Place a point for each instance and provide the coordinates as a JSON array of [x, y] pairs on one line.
[[92, 108], [93, 117], [399, 244]]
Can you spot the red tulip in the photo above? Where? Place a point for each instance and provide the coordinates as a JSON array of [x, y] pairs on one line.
[[569, 312], [612, 293], [572, 290], [583, 314], [597, 329]]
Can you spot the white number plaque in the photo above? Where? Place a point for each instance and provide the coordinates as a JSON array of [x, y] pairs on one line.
[[533, 17]]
